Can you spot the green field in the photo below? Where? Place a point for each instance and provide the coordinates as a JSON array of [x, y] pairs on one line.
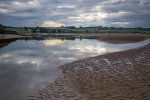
[[21, 31]]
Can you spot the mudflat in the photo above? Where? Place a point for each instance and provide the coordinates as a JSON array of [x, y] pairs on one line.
[[121, 75]]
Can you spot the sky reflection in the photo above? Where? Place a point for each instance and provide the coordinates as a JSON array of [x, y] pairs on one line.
[[52, 42]]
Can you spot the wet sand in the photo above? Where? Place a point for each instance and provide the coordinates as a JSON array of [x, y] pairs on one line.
[[121, 75]]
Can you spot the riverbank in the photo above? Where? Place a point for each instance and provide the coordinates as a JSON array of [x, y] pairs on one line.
[[115, 76], [101, 36]]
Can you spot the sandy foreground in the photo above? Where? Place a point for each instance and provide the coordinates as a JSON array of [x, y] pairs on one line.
[[121, 75]]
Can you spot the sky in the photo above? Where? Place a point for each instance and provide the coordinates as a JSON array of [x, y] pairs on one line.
[[55, 13]]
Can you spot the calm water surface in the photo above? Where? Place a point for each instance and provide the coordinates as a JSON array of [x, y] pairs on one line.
[[27, 66]]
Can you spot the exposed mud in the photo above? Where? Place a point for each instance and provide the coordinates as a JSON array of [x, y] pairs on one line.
[[121, 75]]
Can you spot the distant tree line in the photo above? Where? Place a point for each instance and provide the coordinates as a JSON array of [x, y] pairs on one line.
[[73, 29], [49, 30], [96, 29], [4, 30]]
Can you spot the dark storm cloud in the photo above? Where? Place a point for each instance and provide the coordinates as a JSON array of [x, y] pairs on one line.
[[132, 13]]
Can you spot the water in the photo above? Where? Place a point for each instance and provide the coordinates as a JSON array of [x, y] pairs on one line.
[[27, 66]]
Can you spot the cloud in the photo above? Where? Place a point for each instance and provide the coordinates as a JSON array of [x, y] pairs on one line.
[[5, 11], [123, 23], [52, 24], [77, 12], [88, 17], [66, 6]]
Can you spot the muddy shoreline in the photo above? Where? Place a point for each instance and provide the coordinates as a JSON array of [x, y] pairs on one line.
[[10, 36], [120, 75], [101, 36]]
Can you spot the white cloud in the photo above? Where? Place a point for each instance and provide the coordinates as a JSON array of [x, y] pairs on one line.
[[118, 14], [5, 11], [52, 24], [66, 6], [89, 16], [25, 5], [121, 23], [96, 15]]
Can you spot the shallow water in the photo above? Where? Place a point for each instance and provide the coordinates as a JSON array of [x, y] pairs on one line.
[[27, 66]]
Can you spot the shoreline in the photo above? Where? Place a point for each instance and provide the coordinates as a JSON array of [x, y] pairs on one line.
[[120, 75], [101, 36], [11, 36]]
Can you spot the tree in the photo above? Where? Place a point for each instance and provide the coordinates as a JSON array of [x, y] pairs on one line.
[[26, 28]]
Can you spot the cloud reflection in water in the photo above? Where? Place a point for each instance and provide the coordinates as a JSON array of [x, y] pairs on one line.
[[28, 66]]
